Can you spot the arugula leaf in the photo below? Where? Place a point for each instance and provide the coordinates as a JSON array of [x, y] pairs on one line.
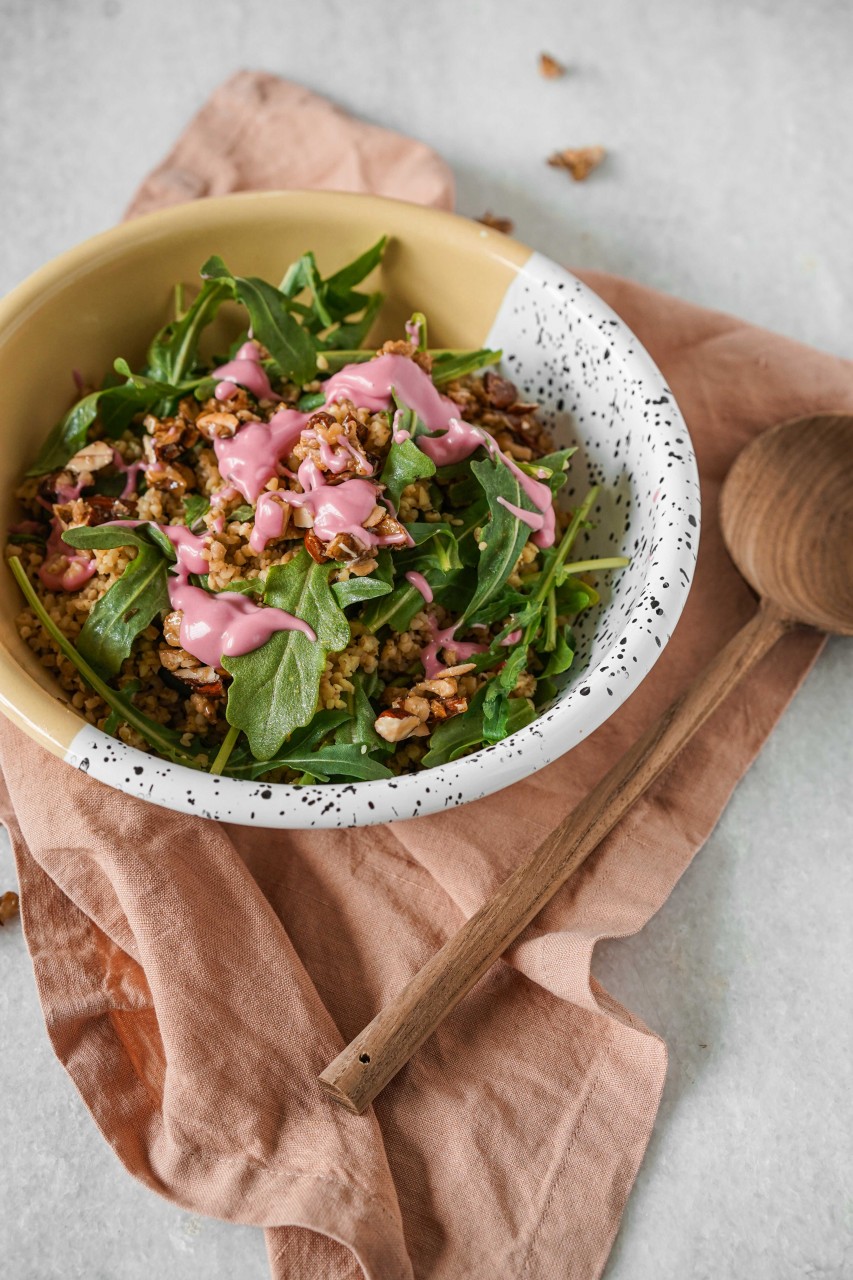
[[354, 333], [242, 764], [503, 536], [339, 761], [103, 537], [420, 531], [455, 737], [404, 464], [245, 586], [130, 604], [275, 688], [562, 656], [357, 270], [114, 719], [196, 505], [291, 347], [303, 274], [115, 406], [310, 401], [441, 552], [166, 742], [355, 590], [496, 704], [395, 611], [457, 364], [244, 512], [557, 466], [23, 539], [174, 350], [359, 730]]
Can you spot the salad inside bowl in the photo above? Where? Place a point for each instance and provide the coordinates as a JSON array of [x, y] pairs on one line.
[[307, 563]]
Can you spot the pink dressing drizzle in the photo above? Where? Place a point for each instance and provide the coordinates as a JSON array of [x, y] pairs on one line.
[[130, 470], [512, 638], [226, 624], [419, 581], [339, 508], [369, 386], [460, 650], [461, 439], [62, 569], [413, 332], [534, 519], [247, 370], [250, 458]]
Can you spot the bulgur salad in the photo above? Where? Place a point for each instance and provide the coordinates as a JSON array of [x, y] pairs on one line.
[[300, 560]]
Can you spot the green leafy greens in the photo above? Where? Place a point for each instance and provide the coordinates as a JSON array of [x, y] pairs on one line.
[[274, 688]]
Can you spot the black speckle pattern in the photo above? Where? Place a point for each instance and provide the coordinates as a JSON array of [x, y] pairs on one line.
[[599, 391]]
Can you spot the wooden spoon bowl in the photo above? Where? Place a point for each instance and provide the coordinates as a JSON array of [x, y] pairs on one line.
[[786, 512]]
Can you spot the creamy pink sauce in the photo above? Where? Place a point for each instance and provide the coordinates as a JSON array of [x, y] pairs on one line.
[[420, 583], [250, 458], [413, 332], [130, 470], [247, 371], [226, 624], [512, 638], [399, 434], [460, 650], [62, 569], [339, 508], [534, 519], [369, 386], [459, 442]]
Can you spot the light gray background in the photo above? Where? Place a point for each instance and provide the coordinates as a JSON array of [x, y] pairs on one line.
[[729, 182]]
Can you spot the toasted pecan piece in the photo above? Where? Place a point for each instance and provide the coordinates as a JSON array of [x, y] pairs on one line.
[[578, 161], [550, 68]]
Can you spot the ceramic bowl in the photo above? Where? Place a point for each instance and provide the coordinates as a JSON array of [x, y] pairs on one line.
[[563, 347]]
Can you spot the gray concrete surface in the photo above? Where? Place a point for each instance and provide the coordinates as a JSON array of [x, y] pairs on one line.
[[729, 183]]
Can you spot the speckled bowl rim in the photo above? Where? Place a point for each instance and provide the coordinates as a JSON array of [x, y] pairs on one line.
[[278, 805]]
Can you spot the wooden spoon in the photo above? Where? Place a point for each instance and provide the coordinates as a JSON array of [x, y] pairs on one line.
[[787, 518]]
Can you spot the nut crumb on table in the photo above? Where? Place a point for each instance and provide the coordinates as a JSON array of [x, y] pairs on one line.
[[578, 161], [9, 907], [550, 68]]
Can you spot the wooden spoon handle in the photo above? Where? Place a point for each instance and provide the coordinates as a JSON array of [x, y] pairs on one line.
[[375, 1056]]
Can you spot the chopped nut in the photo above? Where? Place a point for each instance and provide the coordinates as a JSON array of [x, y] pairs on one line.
[[175, 478], [92, 457], [9, 906], [497, 223], [401, 347], [172, 628], [314, 547], [378, 513], [200, 701], [395, 725], [550, 68], [442, 688], [500, 392], [578, 161], [186, 666], [218, 426], [302, 518], [461, 669], [417, 706]]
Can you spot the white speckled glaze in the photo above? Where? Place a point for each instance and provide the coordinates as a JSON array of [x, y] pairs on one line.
[[600, 391]]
